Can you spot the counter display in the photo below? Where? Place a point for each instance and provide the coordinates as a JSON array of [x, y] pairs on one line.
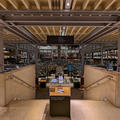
[[60, 101]]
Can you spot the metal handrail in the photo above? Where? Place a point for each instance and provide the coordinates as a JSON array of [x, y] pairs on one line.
[[98, 81], [11, 76]]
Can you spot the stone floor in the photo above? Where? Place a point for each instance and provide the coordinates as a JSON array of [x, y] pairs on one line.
[[93, 110], [80, 110], [24, 110]]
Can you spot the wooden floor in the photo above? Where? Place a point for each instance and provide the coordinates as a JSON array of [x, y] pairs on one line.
[[80, 110]]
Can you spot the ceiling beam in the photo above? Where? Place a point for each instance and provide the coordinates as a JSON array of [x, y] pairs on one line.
[[92, 34], [78, 31], [3, 4], [85, 4], [54, 30], [21, 32], [60, 30], [98, 4], [74, 3], [61, 20], [72, 30], [66, 30], [26, 3], [97, 33], [42, 31], [102, 34], [83, 32], [37, 32], [110, 4], [100, 1], [37, 4], [14, 4], [61, 4], [47, 30], [26, 33], [50, 4], [63, 12]]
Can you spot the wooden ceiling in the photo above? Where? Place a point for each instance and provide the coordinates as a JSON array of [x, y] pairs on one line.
[[79, 32]]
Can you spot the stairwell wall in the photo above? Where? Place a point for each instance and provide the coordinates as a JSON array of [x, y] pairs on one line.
[[14, 89], [107, 89]]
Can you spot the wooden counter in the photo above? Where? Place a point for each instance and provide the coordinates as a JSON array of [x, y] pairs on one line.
[[60, 101], [67, 91]]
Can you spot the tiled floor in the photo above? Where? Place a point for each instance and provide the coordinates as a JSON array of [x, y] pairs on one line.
[[80, 110]]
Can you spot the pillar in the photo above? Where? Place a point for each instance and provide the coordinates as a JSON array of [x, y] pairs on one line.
[[28, 57], [118, 44], [36, 63], [83, 60], [36, 54], [101, 54], [59, 53], [16, 53], [52, 53], [1, 51], [79, 53]]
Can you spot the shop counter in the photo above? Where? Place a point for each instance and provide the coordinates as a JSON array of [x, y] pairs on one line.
[[60, 101]]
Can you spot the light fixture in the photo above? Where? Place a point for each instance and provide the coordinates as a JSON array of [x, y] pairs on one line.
[[63, 27], [68, 4]]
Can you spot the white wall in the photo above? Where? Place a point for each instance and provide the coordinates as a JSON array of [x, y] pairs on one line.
[[12, 88], [2, 90], [107, 88]]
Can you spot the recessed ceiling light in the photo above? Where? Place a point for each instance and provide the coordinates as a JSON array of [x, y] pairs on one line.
[[63, 27], [68, 4]]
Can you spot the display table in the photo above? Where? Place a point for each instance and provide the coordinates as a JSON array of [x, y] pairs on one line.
[[66, 83], [60, 101]]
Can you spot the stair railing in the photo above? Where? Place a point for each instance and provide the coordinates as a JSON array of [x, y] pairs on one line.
[[97, 82], [11, 76]]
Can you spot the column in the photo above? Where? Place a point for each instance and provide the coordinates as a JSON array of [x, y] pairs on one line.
[[16, 54], [83, 60], [101, 54], [52, 53], [118, 61], [36, 54], [28, 57], [59, 54], [1, 51], [79, 53], [36, 63]]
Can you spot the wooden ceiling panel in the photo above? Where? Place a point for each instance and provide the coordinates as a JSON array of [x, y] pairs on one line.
[[41, 32], [59, 4]]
